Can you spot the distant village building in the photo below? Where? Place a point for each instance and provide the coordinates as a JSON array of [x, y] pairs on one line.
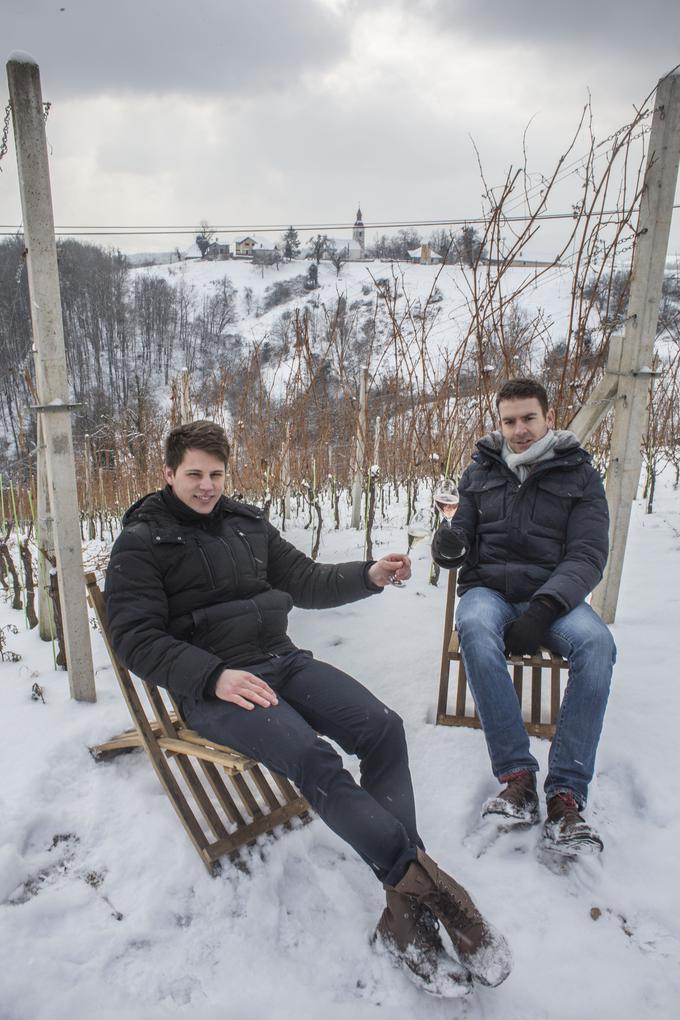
[[245, 246], [424, 254], [252, 243], [217, 252], [351, 250]]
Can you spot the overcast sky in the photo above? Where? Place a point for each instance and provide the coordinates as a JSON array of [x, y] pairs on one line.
[[292, 111]]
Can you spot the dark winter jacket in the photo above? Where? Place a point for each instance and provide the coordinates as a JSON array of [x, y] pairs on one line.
[[545, 537], [188, 595]]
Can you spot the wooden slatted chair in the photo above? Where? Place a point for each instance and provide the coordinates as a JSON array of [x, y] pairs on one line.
[[540, 699], [224, 800]]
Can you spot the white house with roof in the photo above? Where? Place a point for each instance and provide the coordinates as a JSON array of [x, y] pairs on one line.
[[425, 254], [254, 242]]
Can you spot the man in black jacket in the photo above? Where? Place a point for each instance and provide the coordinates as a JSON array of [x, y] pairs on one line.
[[530, 536], [198, 592]]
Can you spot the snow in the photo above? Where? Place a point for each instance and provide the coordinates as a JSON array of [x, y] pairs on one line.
[[21, 57], [82, 843], [549, 295]]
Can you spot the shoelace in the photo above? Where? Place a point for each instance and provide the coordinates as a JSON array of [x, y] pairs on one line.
[[428, 920], [429, 928]]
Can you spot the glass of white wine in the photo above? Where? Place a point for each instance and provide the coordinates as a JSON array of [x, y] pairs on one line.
[[419, 528], [447, 498]]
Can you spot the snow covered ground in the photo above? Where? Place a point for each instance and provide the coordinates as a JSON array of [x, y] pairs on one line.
[[291, 940]]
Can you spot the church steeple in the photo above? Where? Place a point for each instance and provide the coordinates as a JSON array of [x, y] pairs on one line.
[[359, 233]]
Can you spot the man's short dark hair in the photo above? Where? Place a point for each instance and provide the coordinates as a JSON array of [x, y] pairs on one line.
[[523, 389], [196, 435]]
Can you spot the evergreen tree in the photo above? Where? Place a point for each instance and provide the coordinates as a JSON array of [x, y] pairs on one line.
[[291, 243], [469, 247]]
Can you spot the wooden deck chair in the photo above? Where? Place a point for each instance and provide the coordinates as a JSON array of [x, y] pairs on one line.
[[540, 699], [223, 799]]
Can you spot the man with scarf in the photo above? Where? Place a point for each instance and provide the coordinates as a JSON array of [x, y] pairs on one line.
[[530, 536]]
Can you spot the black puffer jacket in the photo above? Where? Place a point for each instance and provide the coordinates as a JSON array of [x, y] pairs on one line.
[[547, 536], [189, 595]]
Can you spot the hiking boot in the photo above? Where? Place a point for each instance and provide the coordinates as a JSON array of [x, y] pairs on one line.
[[410, 934], [518, 802], [479, 947], [565, 831]]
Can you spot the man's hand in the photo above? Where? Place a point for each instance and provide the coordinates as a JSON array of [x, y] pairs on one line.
[[394, 566], [525, 634], [244, 689]]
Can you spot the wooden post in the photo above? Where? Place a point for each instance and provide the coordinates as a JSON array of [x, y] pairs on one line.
[[50, 360], [45, 537], [656, 209], [285, 478], [588, 417], [376, 443], [89, 501], [360, 456], [185, 398]]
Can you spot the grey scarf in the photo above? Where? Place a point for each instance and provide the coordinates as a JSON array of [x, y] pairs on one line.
[[522, 463]]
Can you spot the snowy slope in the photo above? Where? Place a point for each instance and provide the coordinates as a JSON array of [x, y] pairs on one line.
[[356, 282], [291, 939]]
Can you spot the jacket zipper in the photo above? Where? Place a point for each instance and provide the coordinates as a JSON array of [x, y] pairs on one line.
[[231, 554], [248, 548], [207, 563]]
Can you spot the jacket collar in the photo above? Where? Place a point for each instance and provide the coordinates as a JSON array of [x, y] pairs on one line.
[[568, 453], [164, 507]]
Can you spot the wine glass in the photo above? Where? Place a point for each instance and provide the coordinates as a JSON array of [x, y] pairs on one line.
[[447, 498], [419, 528]]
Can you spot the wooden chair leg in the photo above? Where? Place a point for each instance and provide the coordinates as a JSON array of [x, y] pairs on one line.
[[445, 671], [443, 696], [462, 689]]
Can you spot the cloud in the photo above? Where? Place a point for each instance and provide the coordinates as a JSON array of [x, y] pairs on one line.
[[606, 34], [230, 47], [270, 111]]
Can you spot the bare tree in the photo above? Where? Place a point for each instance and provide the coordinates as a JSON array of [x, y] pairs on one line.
[[319, 247], [337, 257], [204, 237]]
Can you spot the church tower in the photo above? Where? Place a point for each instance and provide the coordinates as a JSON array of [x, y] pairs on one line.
[[359, 233]]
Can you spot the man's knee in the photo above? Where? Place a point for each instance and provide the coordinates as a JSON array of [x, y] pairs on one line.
[[477, 630], [594, 640], [383, 732], [315, 766], [481, 613]]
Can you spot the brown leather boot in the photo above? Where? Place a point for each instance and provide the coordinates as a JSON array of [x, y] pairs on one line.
[[409, 932], [566, 831], [518, 802], [479, 947]]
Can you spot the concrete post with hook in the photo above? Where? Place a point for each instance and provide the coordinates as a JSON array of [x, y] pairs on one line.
[[635, 378], [25, 93]]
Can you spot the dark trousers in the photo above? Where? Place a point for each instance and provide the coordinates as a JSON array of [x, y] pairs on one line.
[[377, 816]]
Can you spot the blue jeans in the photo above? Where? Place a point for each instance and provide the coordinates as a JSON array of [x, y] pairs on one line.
[[579, 636], [376, 816]]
